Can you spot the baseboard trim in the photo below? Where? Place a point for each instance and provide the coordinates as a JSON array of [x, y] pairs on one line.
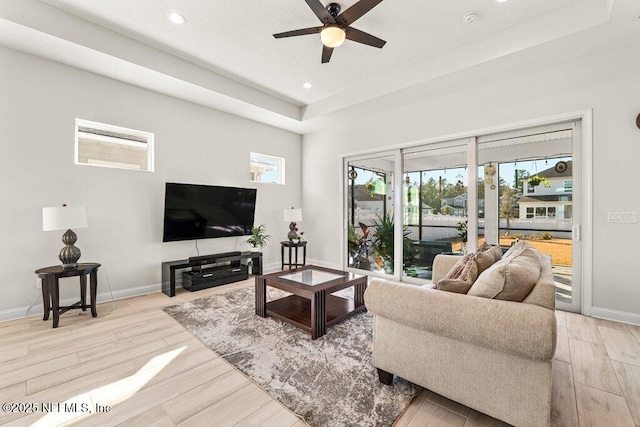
[[271, 267], [37, 309], [616, 315]]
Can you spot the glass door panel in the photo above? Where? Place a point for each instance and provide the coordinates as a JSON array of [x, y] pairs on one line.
[[435, 205], [531, 198], [370, 224]]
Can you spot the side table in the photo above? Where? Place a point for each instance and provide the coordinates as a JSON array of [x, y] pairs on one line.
[[51, 290], [294, 245]]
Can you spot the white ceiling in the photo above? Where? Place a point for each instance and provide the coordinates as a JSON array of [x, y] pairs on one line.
[[250, 70], [235, 36]]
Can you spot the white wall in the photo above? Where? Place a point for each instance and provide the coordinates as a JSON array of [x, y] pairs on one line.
[[607, 83], [39, 101]]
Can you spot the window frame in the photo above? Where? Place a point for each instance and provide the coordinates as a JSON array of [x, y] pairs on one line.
[[281, 167], [120, 129]]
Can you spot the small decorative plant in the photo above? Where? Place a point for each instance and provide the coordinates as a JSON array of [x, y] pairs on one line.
[[259, 236], [536, 180]]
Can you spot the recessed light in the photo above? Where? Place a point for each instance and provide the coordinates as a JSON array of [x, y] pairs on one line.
[[176, 18], [470, 17], [501, 1], [307, 85]]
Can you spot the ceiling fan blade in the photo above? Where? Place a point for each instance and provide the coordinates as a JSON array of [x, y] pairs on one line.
[[321, 12], [326, 54], [300, 32], [356, 35], [356, 11]]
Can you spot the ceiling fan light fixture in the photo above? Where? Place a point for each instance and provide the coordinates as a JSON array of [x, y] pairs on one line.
[[332, 36]]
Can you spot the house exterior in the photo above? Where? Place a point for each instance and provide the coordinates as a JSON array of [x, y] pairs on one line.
[[367, 206], [552, 202], [456, 206]]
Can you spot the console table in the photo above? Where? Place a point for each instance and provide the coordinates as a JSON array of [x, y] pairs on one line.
[[169, 268], [51, 289], [294, 246]]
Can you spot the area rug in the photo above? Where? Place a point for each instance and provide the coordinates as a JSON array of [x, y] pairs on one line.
[[330, 381]]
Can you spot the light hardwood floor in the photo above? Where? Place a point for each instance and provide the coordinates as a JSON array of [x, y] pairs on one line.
[[138, 360]]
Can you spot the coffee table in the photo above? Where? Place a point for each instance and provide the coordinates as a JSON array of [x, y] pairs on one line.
[[312, 307]]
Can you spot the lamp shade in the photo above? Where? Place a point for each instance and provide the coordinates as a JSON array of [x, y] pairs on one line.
[[293, 215], [64, 218]]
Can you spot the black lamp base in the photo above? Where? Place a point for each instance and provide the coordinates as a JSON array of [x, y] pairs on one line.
[[69, 255]]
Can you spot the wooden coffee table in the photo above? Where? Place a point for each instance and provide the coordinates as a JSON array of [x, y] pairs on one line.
[[312, 307]]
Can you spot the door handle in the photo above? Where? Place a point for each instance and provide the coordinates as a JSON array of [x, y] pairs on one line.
[[577, 233]]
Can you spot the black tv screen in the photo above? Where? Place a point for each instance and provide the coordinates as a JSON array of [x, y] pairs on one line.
[[207, 211]]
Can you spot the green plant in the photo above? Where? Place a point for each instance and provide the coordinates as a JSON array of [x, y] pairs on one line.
[[259, 236], [462, 230], [382, 244], [536, 180], [546, 235]]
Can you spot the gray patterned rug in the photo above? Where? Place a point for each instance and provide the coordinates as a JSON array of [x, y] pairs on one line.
[[330, 381]]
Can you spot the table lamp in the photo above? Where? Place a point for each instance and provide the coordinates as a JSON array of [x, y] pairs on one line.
[[65, 218], [292, 215]]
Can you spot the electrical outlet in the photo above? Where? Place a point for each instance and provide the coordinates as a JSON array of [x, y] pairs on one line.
[[39, 283]]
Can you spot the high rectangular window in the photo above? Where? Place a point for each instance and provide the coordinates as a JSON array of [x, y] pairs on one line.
[[266, 169], [99, 144]]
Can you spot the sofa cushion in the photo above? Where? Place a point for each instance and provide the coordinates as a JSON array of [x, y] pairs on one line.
[[511, 278], [461, 276], [486, 256]]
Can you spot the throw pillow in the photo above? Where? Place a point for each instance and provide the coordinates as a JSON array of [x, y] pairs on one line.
[[486, 256], [457, 268], [511, 278], [461, 276]]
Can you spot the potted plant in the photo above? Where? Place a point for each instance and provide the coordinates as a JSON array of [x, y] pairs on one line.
[[258, 238], [359, 241], [536, 180], [354, 243], [462, 232], [382, 244]]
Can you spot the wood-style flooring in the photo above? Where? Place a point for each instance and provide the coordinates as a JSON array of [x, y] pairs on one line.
[[138, 360]]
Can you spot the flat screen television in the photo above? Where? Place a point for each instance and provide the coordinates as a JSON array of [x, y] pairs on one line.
[[207, 211]]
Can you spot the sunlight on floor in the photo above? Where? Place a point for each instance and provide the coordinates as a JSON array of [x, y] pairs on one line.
[[86, 404]]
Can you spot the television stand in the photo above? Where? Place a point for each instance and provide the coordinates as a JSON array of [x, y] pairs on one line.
[[208, 262]]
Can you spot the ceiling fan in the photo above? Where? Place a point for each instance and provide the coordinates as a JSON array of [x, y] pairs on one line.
[[336, 26]]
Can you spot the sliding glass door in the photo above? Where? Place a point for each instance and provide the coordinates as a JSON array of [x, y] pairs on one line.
[[405, 206], [530, 194]]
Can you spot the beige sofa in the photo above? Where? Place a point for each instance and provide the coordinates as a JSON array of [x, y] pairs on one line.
[[493, 356]]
